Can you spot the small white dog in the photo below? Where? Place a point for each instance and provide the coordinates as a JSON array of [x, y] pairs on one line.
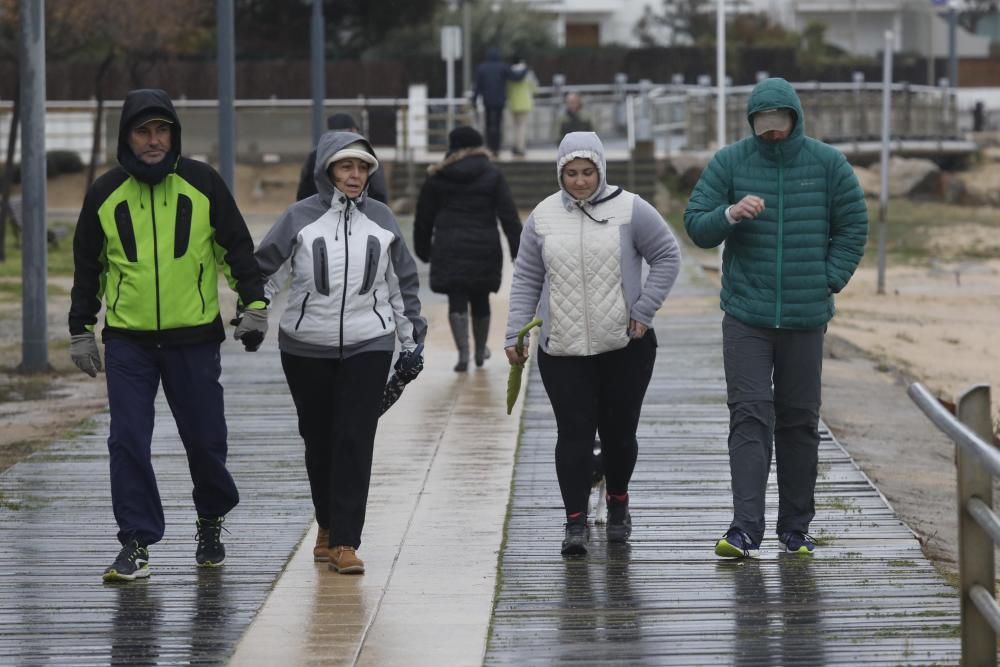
[[599, 492]]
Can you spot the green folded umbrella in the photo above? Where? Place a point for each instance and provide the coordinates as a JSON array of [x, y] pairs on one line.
[[514, 379]]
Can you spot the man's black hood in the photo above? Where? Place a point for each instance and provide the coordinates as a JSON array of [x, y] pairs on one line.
[[139, 103]]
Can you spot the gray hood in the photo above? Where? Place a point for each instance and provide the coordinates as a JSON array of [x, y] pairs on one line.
[[586, 145], [329, 144]]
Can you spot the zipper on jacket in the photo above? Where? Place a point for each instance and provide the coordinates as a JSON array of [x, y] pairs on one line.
[[118, 293], [201, 272], [781, 237], [156, 255], [346, 215], [302, 312], [583, 274], [375, 307]]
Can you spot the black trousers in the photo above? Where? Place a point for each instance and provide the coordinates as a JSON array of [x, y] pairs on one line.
[[459, 302], [190, 378], [338, 403], [597, 395], [494, 128]]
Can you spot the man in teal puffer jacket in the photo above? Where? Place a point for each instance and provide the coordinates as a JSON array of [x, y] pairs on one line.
[[794, 223]]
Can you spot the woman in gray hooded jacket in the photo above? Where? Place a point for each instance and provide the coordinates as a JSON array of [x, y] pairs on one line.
[[352, 291], [579, 269]]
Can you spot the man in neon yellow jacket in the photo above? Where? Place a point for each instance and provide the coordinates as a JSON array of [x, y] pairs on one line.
[[150, 239]]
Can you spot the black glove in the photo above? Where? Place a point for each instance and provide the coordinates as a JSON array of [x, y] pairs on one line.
[[409, 364]]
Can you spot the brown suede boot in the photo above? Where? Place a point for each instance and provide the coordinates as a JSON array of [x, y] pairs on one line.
[[321, 552], [345, 560]]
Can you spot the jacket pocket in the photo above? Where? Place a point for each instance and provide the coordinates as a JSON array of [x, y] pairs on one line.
[[372, 253], [126, 231], [302, 311], [321, 268], [182, 225], [375, 308], [201, 275], [118, 293]]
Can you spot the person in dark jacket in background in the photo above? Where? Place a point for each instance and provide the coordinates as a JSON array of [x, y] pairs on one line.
[[574, 119], [794, 222], [150, 236], [377, 189], [491, 84], [455, 229]]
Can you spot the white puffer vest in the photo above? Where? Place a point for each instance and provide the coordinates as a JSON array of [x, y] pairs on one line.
[[586, 309]]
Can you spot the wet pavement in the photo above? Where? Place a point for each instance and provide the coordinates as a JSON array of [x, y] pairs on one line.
[[445, 470], [868, 595]]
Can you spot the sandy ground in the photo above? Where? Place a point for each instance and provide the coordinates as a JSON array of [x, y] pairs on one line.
[[935, 324]]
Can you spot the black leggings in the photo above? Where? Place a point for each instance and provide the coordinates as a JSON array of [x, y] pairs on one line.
[[600, 394], [459, 302]]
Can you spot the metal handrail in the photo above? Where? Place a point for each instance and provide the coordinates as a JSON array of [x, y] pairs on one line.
[[959, 433], [978, 464]]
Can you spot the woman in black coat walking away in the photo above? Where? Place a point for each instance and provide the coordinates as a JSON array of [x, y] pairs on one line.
[[456, 231]]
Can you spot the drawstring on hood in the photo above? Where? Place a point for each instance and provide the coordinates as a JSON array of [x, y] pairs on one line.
[[142, 102]]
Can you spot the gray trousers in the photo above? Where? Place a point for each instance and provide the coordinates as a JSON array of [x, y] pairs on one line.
[[773, 379]]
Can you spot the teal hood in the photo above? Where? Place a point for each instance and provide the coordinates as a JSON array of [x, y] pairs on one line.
[[776, 93]]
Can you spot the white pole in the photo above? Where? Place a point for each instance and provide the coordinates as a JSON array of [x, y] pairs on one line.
[[720, 78], [720, 72], [450, 82], [883, 199]]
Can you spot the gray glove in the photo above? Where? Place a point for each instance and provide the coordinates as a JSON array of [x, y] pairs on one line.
[[251, 327], [83, 351]]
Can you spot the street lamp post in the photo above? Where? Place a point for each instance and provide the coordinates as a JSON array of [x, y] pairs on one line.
[[720, 72]]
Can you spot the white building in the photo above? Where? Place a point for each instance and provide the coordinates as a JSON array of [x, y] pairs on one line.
[[858, 26], [593, 23]]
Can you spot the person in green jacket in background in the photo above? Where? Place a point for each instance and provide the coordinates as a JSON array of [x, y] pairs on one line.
[[794, 222], [520, 102]]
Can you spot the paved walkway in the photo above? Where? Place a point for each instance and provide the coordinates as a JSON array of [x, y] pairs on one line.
[[443, 477], [868, 596]]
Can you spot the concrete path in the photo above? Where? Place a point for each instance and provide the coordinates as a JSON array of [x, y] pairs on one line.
[[440, 484]]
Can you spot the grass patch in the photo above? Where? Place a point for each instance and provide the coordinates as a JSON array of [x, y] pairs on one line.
[[8, 503], [839, 503], [912, 226], [59, 262]]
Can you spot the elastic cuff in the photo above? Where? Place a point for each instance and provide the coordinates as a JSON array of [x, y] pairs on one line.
[[729, 218]]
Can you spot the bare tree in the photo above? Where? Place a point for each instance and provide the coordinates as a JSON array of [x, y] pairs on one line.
[[137, 34], [971, 12]]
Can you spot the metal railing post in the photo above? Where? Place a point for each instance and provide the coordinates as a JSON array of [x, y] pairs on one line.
[[975, 546]]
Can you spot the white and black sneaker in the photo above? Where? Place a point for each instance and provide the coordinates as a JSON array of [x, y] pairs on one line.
[[132, 563]]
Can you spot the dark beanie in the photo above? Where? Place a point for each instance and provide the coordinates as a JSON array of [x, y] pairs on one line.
[[341, 121], [464, 137]]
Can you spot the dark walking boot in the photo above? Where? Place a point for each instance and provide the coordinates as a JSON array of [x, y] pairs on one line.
[[460, 332], [480, 332], [210, 552]]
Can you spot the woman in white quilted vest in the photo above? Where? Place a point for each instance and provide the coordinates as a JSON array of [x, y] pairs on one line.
[[579, 268]]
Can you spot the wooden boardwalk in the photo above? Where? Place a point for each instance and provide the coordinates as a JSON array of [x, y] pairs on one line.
[[868, 596], [57, 534]]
